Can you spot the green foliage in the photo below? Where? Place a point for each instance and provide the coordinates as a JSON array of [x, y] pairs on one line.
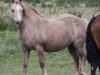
[[48, 4], [76, 13], [60, 2], [43, 4], [7, 1], [6, 23], [68, 2], [8, 44], [91, 3], [34, 1]]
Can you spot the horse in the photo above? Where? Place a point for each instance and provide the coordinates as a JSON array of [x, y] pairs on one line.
[[42, 34], [93, 43]]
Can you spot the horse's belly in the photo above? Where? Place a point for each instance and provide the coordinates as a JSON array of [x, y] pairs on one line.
[[51, 47], [58, 42]]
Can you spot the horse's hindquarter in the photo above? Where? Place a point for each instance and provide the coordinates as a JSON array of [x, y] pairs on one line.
[[96, 31], [58, 36], [79, 26]]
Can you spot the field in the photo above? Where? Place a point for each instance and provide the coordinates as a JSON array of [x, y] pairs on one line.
[[58, 63]]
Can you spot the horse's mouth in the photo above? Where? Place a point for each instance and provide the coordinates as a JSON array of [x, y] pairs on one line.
[[18, 24]]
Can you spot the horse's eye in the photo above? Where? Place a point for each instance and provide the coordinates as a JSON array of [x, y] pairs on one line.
[[12, 10]]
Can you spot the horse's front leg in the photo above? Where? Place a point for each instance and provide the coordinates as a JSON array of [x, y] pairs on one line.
[[26, 54], [40, 52]]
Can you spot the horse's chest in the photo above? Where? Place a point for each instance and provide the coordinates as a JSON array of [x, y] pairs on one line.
[[31, 40]]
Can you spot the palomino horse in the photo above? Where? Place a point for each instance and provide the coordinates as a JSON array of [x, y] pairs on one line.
[[93, 44], [51, 35]]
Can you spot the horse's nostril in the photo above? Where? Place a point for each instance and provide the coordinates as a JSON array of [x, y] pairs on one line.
[[18, 23]]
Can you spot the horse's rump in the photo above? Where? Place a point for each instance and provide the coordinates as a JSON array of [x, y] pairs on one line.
[[92, 54]]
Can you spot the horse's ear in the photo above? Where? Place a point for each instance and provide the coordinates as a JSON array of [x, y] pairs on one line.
[[12, 1], [93, 15]]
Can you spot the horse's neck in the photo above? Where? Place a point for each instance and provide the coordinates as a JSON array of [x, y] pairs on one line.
[[31, 24]]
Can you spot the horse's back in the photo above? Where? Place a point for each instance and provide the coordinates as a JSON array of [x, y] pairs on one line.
[[78, 25]]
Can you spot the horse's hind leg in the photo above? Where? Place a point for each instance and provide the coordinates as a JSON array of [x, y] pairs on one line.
[[78, 47], [93, 68], [72, 51]]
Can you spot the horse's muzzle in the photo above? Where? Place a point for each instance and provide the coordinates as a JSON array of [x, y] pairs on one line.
[[18, 24]]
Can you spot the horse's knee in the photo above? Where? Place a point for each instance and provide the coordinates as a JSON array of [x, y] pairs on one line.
[[81, 55], [42, 64]]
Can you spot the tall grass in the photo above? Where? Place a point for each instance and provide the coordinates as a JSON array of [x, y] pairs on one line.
[[92, 3], [9, 44], [6, 22], [89, 3]]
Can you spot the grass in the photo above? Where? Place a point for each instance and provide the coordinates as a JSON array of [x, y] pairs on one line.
[[11, 59]]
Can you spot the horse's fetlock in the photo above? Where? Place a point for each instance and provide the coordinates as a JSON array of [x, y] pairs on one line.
[[42, 65], [25, 66]]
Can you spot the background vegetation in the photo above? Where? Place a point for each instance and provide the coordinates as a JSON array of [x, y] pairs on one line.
[[6, 23], [59, 63]]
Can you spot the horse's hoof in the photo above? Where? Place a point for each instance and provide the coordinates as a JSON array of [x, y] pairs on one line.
[[80, 74]]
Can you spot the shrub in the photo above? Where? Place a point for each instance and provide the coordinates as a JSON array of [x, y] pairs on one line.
[[6, 23], [76, 13], [91, 3]]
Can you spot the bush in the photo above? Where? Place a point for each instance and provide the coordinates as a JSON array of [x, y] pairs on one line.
[[33, 1], [7, 24], [76, 13], [60, 2], [68, 2], [91, 3]]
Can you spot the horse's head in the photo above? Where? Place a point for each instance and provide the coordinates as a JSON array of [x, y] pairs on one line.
[[17, 12]]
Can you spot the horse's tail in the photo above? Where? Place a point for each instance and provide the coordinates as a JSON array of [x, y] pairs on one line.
[[92, 54]]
